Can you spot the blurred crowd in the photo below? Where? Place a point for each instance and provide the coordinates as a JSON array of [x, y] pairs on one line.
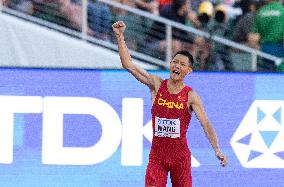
[[255, 23]]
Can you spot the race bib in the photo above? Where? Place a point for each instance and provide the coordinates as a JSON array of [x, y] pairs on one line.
[[167, 127]]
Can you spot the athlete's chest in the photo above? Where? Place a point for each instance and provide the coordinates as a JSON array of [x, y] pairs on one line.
[[172, 102]]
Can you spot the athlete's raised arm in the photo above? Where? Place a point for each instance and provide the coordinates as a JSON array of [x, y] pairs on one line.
[[197, 106], [152, 81]]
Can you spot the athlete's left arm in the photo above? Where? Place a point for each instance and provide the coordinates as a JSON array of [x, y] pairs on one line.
[[197, 106]]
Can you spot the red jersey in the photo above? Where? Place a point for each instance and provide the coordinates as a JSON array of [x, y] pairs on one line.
[[170, 116]]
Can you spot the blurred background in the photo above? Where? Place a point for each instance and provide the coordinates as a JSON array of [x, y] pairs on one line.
[[71, 116]]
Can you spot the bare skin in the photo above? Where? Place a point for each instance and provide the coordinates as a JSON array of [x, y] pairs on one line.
[[253, 40], [180, 64]]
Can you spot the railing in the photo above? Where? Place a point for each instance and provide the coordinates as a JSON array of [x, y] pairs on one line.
[[169, 27], [254, 52]]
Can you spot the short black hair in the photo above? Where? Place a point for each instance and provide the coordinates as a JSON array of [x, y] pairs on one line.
[[177, 4], [203, 18], [188, 55], [220, 16]]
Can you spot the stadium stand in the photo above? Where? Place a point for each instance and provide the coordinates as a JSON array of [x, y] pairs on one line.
[[208, 39]]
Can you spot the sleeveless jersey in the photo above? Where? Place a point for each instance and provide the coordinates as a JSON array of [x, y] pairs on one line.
[[170, 116]]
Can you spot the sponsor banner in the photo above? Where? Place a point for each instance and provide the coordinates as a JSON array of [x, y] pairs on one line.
[[93, 128]]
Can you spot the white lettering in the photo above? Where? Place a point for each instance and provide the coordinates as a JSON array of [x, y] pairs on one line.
[[132, 132], [271, 13], [53, 151], [9, 105]]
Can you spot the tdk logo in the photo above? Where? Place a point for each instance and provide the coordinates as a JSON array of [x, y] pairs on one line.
[[126, 133], [258, 141]]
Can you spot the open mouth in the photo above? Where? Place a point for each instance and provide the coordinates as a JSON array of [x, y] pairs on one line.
[[176, 72]]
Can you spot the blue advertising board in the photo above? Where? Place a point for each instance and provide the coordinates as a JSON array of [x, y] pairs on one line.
[[93, 128]]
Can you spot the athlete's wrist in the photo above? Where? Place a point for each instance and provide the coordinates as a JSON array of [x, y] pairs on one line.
[[119, 37]]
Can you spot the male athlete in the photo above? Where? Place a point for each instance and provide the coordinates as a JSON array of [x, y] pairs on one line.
[[173, 103]]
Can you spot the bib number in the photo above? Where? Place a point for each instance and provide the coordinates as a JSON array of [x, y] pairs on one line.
[[167, 127]]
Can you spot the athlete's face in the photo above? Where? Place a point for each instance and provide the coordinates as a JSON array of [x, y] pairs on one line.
[[180, 67]]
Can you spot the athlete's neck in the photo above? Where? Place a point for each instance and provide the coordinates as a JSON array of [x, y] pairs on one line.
[[175, 86]]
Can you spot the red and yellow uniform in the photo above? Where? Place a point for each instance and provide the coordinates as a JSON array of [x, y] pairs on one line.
[[169, 151]]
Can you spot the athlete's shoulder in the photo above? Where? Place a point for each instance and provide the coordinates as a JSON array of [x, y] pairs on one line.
[[192, 91], [156, 82], [188, 88], [156, 78], [193, 97]]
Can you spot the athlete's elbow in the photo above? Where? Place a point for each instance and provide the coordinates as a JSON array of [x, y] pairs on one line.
[[124, 66]]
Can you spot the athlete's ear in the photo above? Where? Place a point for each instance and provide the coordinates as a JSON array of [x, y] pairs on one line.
[[189, 70]]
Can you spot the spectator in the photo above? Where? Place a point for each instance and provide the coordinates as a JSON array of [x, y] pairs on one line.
[[135, 32], [244, 5], [268, 30], [178, 11], [73, 12], [151, 6], [244, 25], [148, 5], [212, 55], [99, 19], [219, 26], [202, 46], [50, 10], [242, 60], [206, 59], [163, 3], [205, 13]]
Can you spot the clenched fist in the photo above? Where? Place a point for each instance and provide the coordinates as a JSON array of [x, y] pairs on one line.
[[222, 158], [118, 28]]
